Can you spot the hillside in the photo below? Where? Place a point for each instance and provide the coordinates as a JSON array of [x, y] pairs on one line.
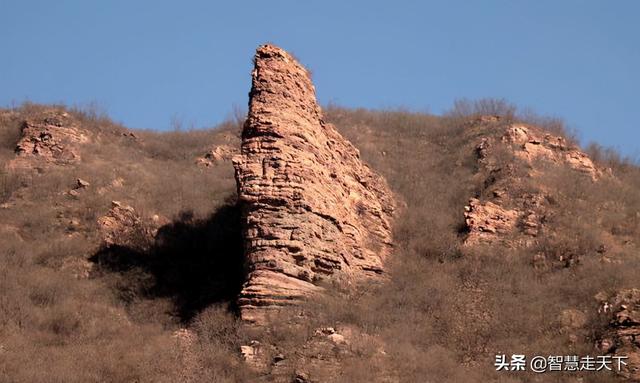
[[121, 254]]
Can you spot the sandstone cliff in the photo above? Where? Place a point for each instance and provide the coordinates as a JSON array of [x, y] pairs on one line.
[[312, 209]]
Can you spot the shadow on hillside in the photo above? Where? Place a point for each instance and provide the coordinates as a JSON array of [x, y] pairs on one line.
[[195, 262]]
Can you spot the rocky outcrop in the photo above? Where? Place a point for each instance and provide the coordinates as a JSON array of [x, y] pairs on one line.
[[323, 355], [312, 210], [533, 144], [514, 206], [123, 226], [622, 337], [485, 221], [217, 155], [52, 139]]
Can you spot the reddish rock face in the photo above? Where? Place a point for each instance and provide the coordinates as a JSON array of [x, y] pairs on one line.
[[533, 144], [509, 215], [52, 139], [488, 220], [312, 209]]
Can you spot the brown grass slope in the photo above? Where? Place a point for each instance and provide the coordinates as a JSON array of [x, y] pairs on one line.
[[162, 309], [73, 310], [449, 304]]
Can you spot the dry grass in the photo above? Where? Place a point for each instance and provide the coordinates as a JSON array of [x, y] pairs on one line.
[[442, 316], [446, 313], [115, 326]]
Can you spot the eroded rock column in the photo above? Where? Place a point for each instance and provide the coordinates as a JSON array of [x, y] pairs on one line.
[[312, 210]]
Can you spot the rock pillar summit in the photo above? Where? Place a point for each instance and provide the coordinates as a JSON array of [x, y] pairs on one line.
[[311, 209]]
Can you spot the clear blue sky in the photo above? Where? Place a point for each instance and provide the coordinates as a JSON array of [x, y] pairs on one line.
[[148, 62]]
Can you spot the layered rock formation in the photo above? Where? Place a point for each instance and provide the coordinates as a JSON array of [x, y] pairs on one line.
[[533, 144], [312, 209], [486, 220], [514, 208], [50, 139]]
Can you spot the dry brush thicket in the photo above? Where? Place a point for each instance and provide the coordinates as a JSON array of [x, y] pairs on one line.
[[162, 309]]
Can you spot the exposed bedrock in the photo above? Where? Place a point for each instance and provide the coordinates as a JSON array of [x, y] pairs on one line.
[[312, 210]]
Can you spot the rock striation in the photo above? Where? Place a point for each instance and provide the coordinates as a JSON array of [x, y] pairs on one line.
[[52, 139], [514, 207], [486, 220], [532, 144], [312, 210]]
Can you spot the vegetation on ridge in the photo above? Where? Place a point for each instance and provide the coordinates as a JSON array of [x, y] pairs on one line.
[[444, 313]]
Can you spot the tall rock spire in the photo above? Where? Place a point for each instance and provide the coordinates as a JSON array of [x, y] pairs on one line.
[[312, 210]]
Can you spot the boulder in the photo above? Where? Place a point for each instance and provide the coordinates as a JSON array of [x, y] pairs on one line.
[[82, 184], [123, 226]]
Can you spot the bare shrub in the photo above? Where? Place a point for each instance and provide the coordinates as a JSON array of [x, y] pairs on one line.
[[442, 315], [464, 108]]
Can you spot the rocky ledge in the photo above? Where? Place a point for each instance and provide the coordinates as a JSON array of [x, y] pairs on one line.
[[52, 139], [510, 164]]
